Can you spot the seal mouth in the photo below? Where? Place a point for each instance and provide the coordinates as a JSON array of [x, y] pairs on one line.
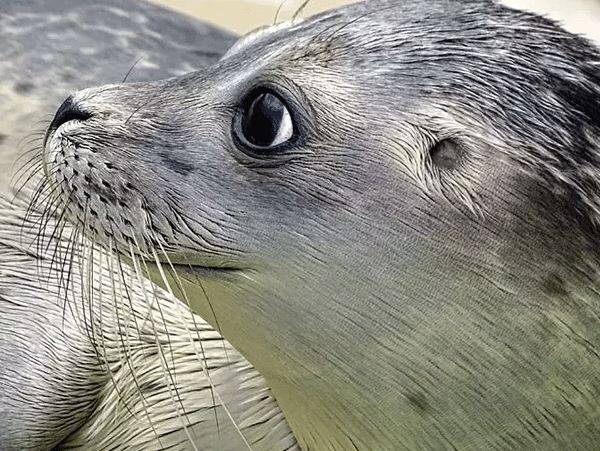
[[192, 272], [204, 271], [193, 267]]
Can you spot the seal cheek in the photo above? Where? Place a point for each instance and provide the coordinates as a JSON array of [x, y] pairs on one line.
[[175, 164]]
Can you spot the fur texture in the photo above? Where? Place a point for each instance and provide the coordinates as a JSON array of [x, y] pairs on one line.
[[416, 267]]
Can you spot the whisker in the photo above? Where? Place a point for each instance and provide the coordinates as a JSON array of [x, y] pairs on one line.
[[278, 11], [202, 359], [132, 67], [300, 9], [120, 290], [170, 375]]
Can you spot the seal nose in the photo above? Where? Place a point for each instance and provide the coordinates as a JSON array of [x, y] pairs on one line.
[[68, 111]]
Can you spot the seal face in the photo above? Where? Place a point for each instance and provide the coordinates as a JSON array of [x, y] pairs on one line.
[[390, 209], [101, 367]]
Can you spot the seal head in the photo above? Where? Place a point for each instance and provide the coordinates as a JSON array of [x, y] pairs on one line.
[[390, 209]]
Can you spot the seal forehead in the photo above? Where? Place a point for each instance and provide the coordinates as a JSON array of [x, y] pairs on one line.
[[291, 31], [286, 38], [257, 34]]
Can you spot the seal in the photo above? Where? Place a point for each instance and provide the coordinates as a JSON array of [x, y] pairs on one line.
[[390, 209]]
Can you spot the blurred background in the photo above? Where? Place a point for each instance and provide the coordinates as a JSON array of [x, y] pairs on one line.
[[241, 16]]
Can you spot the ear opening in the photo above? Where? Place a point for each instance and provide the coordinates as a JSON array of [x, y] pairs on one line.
[[447, 154]]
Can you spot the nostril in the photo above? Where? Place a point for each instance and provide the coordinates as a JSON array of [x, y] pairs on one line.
[[68, 111]]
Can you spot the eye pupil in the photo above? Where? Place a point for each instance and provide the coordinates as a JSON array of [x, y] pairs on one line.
[[266, 122], [260, 122]]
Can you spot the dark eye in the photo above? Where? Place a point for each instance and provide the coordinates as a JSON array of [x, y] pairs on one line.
[[266, 121]]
